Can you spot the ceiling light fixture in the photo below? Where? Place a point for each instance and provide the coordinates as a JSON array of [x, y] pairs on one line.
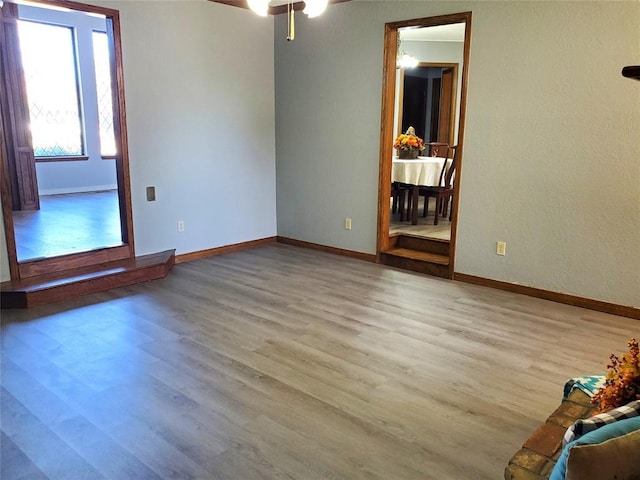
[[261, 7], [405, 60], [312, 8]]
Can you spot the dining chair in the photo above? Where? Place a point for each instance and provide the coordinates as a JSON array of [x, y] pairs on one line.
[[396, 194], [437, 149], [443, 192], [399, 194]]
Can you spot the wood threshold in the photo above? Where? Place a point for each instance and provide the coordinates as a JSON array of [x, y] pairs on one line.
[[591, 304], [212, 252], [368, 257]]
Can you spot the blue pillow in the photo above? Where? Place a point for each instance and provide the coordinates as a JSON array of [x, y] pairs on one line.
[[602, 434]]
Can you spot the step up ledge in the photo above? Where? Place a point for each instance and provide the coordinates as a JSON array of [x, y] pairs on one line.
[[419, 255], [42, 290], [420, 266]]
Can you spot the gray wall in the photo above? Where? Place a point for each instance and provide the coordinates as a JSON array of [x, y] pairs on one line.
[[199, 90], [552, 149]]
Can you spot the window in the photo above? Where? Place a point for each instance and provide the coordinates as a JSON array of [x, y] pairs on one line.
[[48, 57], [103, 90]]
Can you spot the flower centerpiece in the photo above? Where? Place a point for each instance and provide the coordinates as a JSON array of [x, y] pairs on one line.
[[408, 144], [622, 384]]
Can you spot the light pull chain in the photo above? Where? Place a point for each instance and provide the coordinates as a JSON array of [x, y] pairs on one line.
[[291, 26]]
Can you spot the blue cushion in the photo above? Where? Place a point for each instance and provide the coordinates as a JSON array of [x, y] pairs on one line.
[[602, 434]]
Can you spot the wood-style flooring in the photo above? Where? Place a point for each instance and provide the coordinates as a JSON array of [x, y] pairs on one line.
[[285, 363], [69, 223], [425, 227]]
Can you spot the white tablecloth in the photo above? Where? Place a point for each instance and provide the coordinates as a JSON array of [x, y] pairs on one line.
[[422, 171]]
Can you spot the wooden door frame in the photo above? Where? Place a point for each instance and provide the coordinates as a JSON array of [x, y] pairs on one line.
[[30, 268], [387, 130]]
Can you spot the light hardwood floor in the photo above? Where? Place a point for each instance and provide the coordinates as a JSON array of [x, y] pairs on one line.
[[69, 223], [285, 363], [425, 227]]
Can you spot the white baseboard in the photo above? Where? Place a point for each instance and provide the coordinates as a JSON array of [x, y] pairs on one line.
[[91, 188]]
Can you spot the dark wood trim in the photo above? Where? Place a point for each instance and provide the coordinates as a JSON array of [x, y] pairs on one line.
[[280, 9], [212, 252], [462, 120], [5, 195], [82, 7], [368, 257], [120, 130], [46, 266], [431, 21], [597, 305], [79, 158], [386, 137]]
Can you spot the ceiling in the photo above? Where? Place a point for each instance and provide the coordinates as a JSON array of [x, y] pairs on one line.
[[439, 33]]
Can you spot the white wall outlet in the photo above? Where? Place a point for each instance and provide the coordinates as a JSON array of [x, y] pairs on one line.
[[181, 225], [501, 248], [347, 224]]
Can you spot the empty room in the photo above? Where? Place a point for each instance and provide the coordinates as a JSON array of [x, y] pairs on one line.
[[319, 240]]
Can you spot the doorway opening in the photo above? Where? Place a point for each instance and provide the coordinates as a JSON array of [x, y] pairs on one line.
[[418, 198], [65, 189]]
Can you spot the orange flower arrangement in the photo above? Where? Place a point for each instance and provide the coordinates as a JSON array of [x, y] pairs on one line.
[[622, 380], [409, 141]]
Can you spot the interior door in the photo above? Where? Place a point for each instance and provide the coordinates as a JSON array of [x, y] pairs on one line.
[[447, 103], [21, 165]]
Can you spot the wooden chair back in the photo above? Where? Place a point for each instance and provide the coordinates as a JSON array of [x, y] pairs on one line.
[[437, 149], [448, 169], [451, 171]]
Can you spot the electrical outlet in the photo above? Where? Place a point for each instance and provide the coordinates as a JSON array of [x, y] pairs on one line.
[[501, 248], [151, 194], [347, 224], [181, 225]]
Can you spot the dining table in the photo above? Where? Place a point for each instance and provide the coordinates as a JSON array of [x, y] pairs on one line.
[[416, 173]]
